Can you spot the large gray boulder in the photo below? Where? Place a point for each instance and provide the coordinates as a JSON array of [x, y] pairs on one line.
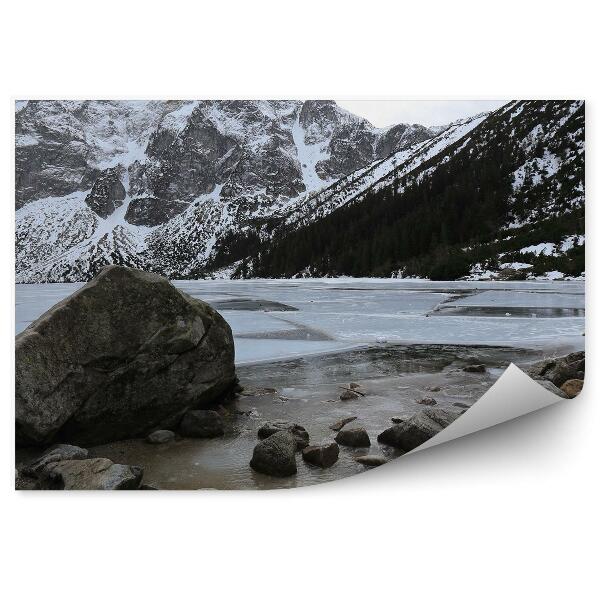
[[418, 429], [275, 455], [123, 356]]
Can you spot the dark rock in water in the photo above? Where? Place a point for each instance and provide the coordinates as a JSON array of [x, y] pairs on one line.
[[461, 405], [418, 429], [107, 193], [371, 460], [300, 434], [356, 437], [551, 387], [398, 419], [348, 395], [54, 454], [426, 401], [323, 456], [201, 424], [474, 369], [126, 354], [560, 369], [161, 436], [337, 426], [354, 386], [91, 474], [572, 387], [151, 211], [275, 455], [434, 388]]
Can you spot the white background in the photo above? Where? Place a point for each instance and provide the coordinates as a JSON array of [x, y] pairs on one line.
[[508, 513]]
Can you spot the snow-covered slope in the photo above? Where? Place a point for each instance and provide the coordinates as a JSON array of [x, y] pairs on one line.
[[377, 175], [194, 172], [498, 191]]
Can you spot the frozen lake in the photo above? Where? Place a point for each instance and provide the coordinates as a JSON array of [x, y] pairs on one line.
[[279, 319], [299, 341]]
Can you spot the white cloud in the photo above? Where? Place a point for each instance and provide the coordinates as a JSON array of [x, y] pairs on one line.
[[383, 113]]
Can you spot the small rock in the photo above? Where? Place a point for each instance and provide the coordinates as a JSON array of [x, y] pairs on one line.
[[161, 436], [275, 455], [300, 434], [201, 424], [461, 405], [356, 437], [24, 482], [551, 387], [337, 426], [354, 386], [426, 401], [148, 486], [474, 369], [398, 420], [560, 369], [348, 395], [572, 387], [54, 454], [371, 460], [418, 429], [91, 474], [434, 388], [323, 456]]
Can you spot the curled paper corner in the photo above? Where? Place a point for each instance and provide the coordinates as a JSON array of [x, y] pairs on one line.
[[513, 395]]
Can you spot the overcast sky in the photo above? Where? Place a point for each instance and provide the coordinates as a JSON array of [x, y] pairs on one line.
[[425, 112]]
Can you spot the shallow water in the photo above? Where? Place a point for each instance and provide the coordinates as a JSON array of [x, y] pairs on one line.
[[306, 391]]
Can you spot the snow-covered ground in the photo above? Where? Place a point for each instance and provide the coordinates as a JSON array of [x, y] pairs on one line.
[[324, 315]]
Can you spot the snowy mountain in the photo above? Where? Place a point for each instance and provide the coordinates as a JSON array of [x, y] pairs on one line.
[[290, 188], [175, 186], [497, 194]]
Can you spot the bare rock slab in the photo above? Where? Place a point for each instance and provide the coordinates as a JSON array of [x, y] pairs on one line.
[[91, 474], [54, 454], [126, 354]]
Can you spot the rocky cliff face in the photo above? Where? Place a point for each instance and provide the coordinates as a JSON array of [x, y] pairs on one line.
[[166, 184]]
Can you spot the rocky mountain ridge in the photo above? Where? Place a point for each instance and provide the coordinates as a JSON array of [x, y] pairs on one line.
[[161, 184]]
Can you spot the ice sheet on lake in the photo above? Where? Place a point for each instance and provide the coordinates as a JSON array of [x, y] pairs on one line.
[[355, 312]]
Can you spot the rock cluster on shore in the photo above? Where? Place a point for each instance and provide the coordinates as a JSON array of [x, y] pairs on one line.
[[66, 467], [562, 375]]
